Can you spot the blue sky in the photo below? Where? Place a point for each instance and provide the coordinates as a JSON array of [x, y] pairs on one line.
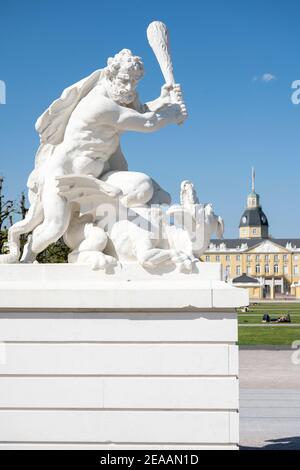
[[221, 50]]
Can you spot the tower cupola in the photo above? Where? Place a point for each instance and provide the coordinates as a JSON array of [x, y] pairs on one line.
[[254, 223]]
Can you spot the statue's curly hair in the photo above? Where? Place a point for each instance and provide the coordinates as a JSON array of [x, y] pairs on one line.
[[126, 62]]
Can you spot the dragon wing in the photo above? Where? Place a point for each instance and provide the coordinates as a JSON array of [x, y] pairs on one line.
[[86, 191], [51, 125]]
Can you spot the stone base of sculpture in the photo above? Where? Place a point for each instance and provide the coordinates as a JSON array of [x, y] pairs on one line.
[[127, 360]]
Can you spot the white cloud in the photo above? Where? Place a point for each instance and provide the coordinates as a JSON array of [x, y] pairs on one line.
[[266, 78]]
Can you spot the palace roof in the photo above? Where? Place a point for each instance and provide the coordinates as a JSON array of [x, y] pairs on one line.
[[244, 244], [244, 279]]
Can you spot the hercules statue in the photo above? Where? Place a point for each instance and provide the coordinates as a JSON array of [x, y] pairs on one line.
[[80, 135]]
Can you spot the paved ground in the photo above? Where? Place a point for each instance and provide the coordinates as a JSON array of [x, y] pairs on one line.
[[270, 399]]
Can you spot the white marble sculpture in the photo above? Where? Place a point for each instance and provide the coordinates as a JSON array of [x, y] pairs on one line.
[[103, 231], [80, 172]]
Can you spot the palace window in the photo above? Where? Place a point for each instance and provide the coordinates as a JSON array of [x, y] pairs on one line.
[[238, 270], [276, 258], [296, 270], [227, 270], [254, 231], [276, 269], [257, 258], [249, 270], [207, 259], [296, 257], [218, 258], [285, 257], [248, 257], [285, 269], [257, 269], [267, 269], [227, 258], [238, 257]]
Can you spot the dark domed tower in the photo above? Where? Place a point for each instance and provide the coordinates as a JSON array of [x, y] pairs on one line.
[[254, 223]]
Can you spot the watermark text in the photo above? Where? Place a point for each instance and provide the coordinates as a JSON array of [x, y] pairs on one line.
[[2, 92], [296, 94]]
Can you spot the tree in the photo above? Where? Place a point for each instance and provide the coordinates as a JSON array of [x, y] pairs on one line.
[[22, 206], [55, 253], [6, 215]]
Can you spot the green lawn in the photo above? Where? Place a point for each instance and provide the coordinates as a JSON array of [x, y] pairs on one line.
[[269, 334], [276, 308], [248, 319]]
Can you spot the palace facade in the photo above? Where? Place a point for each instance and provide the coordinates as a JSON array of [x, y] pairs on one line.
[[269, 267]]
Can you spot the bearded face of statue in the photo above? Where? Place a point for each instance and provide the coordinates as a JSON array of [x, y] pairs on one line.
[[123, 72], [122, 88]]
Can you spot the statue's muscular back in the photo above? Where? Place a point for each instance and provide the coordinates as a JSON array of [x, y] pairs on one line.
[[91, 136]]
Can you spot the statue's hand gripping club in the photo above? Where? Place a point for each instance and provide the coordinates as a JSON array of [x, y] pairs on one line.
[[157, 34]]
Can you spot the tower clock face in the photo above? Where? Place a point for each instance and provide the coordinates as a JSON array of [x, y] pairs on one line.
[[244, 220]]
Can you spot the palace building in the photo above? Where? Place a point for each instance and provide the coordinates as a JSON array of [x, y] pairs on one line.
[[269, 267]]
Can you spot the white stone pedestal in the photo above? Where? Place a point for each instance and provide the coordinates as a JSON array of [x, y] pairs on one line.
[[95, 361]]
